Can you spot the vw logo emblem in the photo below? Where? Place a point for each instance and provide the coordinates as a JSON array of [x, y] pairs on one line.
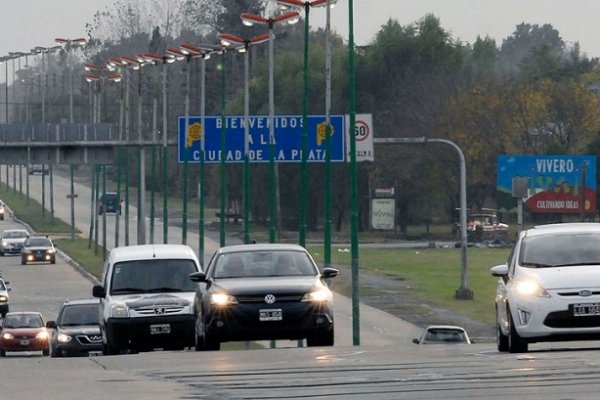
[[159, 310], [269, 299], [585, 293]]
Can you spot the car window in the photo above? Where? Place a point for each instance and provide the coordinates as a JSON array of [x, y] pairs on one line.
[[445, 335], [549, 250], [23, 321], [147, 276], [38, 242], [2, 285], [14, 234], [79, 314]]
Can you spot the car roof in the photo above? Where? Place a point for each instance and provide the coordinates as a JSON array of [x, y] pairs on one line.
[[260, 247], [24, 313], [569, 227], [15, 230], [39, 237], [459, 328], [152, 251], [81, 301]]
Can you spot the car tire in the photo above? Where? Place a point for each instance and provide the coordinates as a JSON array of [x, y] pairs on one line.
[[501, 340], [109, 350], [2, 353], [54, 354], [46, 352], [53, 260], [515, 343], [2, 253], [210, 342], [322, 339], [23, 262]]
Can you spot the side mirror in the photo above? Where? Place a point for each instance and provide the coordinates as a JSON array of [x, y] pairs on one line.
[[51, 325], [415, 341], [499, 270], [198, 277], [98, 291], [330, 273]]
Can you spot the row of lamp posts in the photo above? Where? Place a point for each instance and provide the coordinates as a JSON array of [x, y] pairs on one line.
[[241, 44]]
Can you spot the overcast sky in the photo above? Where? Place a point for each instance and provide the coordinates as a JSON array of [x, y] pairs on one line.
[[25, 24]]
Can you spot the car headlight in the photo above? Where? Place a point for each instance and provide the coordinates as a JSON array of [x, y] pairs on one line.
[[3, 299], [7, 336], [42, 335], [317, 296], [531, 288], [50, 251], [119, 311], [222, 299], [62, 338], [4, 243]]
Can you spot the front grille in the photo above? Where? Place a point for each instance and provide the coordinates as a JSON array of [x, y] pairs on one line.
[[87, 340], [279, 298], [577, 294], [564, 319], [159, 310]]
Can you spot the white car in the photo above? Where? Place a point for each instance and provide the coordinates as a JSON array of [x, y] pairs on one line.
[[549, 289], [12, 240], [443, 334], [4, 297]]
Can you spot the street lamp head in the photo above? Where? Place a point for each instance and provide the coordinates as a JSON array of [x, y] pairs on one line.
[[176, 53], [190, 50], [90, 67], [92, 78], [151, 57], [115, 78], [290, 18]]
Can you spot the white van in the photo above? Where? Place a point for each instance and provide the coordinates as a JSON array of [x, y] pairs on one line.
[[147, 298]]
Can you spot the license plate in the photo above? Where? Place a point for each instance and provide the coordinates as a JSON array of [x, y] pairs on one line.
[[586, 309], [271, 315], [96, 353], [24, 342], [160, 329]]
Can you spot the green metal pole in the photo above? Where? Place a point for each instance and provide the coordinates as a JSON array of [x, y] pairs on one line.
[[327, 221], [353, 182], [272, 175], [104, 214], [72, 202], [202, 156], [153, 168], [185, 153], [223, 150], [165, 157], [246, 178], [96, 222], [304, 138], [93, 207]]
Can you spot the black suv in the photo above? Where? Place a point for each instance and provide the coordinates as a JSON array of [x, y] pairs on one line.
[[76, 331]]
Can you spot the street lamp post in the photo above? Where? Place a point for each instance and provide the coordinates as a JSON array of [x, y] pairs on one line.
[[304, 139], [249, 20], [243, 45]]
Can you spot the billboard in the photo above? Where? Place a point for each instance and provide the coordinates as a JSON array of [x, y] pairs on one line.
[[554, 183], [288, 133]]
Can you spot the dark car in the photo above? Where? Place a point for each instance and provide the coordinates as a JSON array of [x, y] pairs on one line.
[[263, 292], [23, 331], [76, 331], [109, 202], [4, 297], [12, 241], [38, 249]]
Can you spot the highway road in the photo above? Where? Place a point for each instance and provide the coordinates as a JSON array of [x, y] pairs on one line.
[[386, 365]]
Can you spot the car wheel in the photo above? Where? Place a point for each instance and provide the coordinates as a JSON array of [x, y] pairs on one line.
[[109, 350], [322, 339], [53, 260], [210, 342], [2, 353], [46, 352], [2, 253], [515, 343], [54, 354], [501, 340], [23, 261]]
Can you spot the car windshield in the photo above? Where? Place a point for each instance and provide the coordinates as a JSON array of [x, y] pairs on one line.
[[147, 276], [23, 321], [2, 285], [14, 234], [264, 263], [79, 314], [39, 242], [560, 250]]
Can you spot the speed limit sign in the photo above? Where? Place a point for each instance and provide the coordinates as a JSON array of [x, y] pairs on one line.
[[363, 134]]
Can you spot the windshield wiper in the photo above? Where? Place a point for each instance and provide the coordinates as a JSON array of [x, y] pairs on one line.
[[536, 265], [164, 289], [128, 290], [578, 263]]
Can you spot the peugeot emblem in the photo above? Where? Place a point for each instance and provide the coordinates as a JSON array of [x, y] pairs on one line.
[[269, 299], [159, 310], [585, 293]]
